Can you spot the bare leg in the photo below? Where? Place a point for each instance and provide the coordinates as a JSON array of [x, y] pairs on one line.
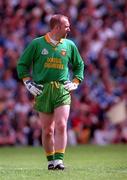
[[47, 132], [60, 117]]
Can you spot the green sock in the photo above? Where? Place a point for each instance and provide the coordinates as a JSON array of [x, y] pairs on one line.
[[59, 156], [50, 157]]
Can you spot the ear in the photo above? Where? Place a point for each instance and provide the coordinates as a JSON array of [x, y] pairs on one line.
[[58, 27]]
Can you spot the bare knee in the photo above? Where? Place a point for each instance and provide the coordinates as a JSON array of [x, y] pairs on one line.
[[48, 132], [61, 127]]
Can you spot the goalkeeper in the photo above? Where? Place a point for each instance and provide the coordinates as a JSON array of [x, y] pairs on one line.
[[48, 58]]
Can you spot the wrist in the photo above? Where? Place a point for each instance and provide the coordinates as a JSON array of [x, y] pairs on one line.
[[76, 81], [26, 79]]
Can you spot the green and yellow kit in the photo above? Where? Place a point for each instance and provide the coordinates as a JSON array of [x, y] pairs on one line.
[[46, 63], [49, 62]]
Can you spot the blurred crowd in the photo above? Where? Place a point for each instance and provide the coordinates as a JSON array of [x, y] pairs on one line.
[[99, 29]]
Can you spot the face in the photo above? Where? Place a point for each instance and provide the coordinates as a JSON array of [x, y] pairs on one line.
[[64, 28]]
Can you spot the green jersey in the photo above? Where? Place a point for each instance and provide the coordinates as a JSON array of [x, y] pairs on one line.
[[46, 62]]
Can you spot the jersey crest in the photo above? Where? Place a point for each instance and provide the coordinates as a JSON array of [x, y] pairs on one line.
[[44, 51], [63, 52]]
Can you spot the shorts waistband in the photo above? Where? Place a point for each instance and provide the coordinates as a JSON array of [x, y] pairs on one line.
[[53, 82]]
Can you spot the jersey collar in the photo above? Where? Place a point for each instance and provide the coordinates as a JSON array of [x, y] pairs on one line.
[[49, 41]]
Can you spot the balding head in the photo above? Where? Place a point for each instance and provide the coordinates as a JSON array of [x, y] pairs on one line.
[[56, 20]]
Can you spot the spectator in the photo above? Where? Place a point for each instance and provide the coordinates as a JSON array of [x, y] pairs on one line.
[[99, 29]]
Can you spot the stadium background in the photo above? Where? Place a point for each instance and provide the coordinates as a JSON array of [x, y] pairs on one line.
[[99, 29]]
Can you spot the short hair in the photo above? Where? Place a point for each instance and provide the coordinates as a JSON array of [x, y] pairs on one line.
[[56, 19]]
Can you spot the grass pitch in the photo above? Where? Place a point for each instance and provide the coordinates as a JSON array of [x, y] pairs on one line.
[[86, 162]]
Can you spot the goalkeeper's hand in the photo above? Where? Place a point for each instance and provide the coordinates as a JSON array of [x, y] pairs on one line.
[[33, 88], [70, 86]]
